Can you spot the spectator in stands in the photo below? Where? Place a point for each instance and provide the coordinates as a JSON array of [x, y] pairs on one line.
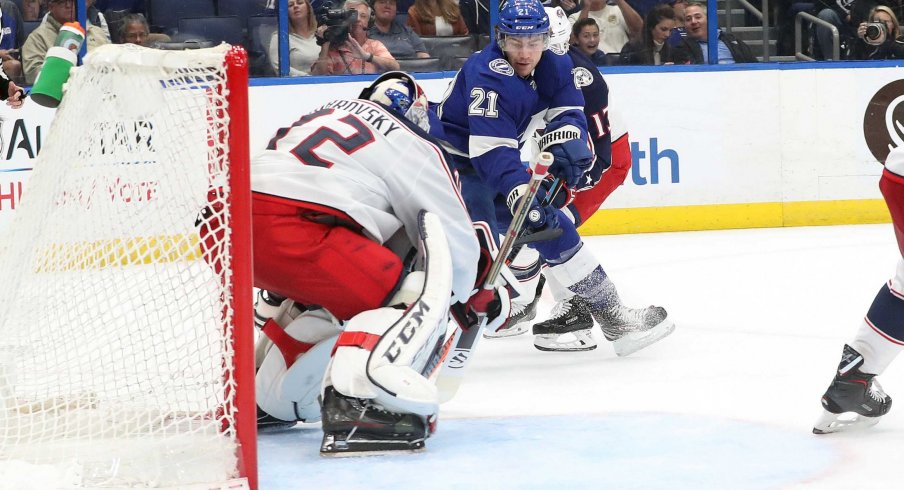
[[303, 48], [476, 14], [585, 35], [694, 49], [398, 38], [569, 6], [31, 10], [618, 23], [889, 45], [679, 32], [356, 55], [653, 47], [97, 18], [837, 13], [12, 34], [134, 29], [437, 18], [44, 36]]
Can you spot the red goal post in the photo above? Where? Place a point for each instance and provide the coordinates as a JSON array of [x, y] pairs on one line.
[[126, 337]]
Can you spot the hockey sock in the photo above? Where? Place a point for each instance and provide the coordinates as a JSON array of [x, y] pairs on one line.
[[881, 334]]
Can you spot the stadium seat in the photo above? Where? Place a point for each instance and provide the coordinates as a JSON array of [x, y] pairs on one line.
[[420, 65], [449, 46], [165, 14], [243, 9], [454, 63], [29, 25], [260, 29], [215, 29], [482, 40]]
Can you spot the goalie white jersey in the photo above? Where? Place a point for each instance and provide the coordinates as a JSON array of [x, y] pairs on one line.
[[357, 160]]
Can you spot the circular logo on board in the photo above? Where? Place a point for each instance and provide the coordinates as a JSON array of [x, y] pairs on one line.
[[883, 123]]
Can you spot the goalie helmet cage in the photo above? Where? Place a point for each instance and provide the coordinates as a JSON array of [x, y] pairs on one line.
[[126, 343]]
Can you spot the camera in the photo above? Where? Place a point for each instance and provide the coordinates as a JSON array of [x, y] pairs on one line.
[[875, 33], [338, 22]]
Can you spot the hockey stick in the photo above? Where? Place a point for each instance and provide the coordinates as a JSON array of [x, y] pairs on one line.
[[460, 346]]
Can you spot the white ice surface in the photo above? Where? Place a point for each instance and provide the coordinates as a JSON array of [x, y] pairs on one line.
[[726, 402]]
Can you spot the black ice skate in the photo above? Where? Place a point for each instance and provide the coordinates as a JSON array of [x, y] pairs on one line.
[[632, 329], [567, 329], [355, 427], [519, 318], [854, 399]]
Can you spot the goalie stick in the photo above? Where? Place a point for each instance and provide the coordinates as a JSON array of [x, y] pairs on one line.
[[461, 344]]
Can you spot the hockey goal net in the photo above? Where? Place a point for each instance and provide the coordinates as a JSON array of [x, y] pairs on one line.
[[125, 316]]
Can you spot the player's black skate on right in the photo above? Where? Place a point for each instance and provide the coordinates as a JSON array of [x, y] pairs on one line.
[[355, 427], [854, 399]]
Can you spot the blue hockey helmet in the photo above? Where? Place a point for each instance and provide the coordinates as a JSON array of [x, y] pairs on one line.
[[522, 17]]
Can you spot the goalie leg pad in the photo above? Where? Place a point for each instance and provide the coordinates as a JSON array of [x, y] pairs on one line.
[[289, 377], [384, 354]]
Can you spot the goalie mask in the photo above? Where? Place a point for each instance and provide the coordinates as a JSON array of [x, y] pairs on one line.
[[399, 92]]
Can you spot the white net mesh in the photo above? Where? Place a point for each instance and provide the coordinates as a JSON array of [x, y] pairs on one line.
[[116, 358]]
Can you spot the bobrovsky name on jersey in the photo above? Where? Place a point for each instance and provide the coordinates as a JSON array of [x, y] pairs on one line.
[[650, 161]]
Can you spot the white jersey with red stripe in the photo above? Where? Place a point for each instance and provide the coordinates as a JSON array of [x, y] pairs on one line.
[[357, 159]]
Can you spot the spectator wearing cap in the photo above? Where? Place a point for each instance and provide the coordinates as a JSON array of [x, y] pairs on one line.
[[44, 37], [399, 39], [653, 47], [694, 48], [618, 22], [585, 36], [437, 18]]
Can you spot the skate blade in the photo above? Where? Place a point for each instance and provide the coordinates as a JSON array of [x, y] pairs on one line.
[[635, 341], [507, 332], [830, 423], [580, 340], [336, 447]]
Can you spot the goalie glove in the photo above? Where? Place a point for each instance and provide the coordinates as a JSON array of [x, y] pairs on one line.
[[572, 153]]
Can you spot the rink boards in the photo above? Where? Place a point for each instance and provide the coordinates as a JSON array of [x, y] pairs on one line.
[[712, 149]]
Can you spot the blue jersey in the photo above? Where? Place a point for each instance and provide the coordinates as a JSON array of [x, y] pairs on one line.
[[596, 110], [488, 108]]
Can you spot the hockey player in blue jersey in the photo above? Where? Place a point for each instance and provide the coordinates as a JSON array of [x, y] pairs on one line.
[[485, 114]]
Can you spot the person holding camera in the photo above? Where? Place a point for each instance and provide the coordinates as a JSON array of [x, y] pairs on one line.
[[880, 38], [345, 48]]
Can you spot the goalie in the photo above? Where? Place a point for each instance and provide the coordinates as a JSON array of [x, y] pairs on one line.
[[356, 211]]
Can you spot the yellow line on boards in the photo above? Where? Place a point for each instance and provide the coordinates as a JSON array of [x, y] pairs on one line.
[[730, 216], [117, 252]]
